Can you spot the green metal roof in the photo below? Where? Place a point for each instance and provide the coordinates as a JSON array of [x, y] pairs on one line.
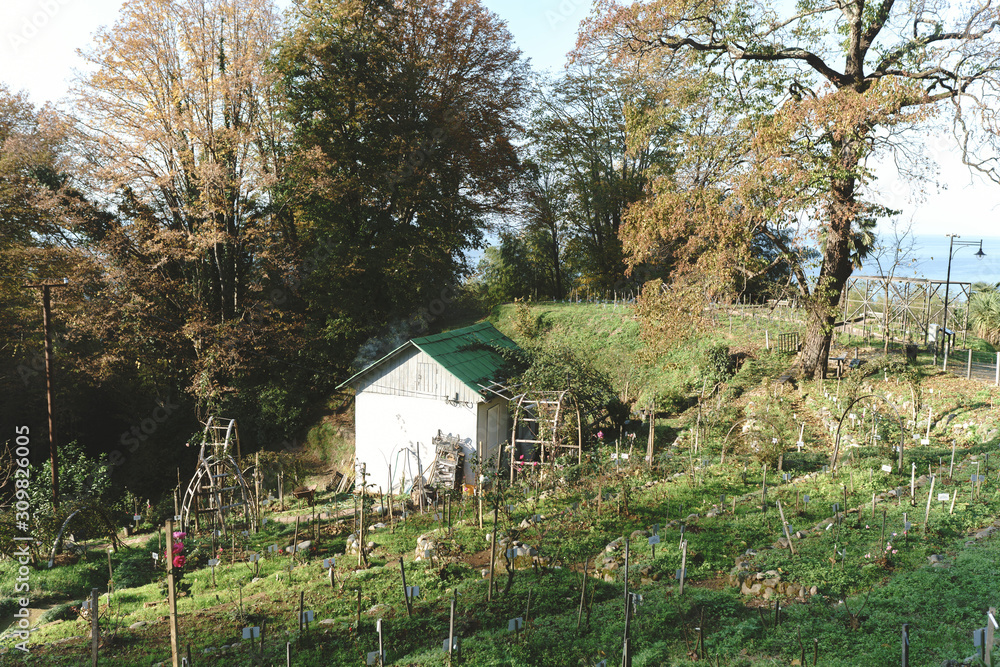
[[466, 353]]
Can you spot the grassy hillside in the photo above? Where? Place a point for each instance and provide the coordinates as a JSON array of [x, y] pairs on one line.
[[858, 571]]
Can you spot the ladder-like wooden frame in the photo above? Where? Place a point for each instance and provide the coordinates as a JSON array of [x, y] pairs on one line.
[[530, 407]]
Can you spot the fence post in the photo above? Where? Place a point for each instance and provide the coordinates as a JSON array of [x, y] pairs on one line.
[[997, 381], [968, 366], [944, 363]]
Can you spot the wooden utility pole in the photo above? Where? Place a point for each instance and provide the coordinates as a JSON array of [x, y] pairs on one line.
[[49, 390]]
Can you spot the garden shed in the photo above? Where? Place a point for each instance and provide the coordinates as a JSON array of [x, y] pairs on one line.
[[446, 384]]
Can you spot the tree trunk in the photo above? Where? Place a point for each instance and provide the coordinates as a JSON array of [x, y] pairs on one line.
[[836, 267]]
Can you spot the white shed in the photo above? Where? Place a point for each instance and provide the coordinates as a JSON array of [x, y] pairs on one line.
[[430, 384]]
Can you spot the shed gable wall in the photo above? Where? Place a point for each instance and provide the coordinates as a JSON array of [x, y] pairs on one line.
[[413, 372]]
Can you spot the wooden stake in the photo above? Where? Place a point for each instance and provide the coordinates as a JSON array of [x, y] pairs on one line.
[[784, 526], [95, 626], [493, 545], [175, 646], [406, 594], [684, 555], [583, 594], [951, 466], [451, 631], [927, 512]]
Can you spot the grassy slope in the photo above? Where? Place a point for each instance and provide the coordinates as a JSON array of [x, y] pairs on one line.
[[943, 605]]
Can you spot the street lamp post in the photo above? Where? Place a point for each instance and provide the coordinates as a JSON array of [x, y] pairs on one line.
[[947, 281]]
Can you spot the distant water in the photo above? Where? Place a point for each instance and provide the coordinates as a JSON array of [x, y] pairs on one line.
[[930, 260]]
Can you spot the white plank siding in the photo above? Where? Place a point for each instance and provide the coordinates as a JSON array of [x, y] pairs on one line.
[[413, 372]]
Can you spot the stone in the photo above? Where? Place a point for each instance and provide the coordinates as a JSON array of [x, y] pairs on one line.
[[813, 590], [768, 593], [301, 546], [935, 558], [137, 625]]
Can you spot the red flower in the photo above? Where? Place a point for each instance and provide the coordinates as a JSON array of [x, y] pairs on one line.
[[179, 561]]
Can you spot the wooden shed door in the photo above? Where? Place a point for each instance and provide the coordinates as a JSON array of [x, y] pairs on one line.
[[492, 428]]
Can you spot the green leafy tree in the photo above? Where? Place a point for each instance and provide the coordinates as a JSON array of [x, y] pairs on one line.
[[404, 115]]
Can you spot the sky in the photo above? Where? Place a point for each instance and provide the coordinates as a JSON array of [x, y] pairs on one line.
[[39, 40]]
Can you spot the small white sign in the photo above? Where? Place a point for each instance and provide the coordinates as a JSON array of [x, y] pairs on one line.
[[212, 562], [513, 625], [253, 558], [86, 605], [251, 633], [177, 517], [774, 441], [273, 548], [944, 496], [654, 539], [328, 563], [156, 556], [137, 518], [454, 646], [925, 441], [307, 616], [886, 468], [413, 592]]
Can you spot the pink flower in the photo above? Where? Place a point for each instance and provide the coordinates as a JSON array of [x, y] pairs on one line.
[[179, 561], [895, 550], [600, 435], [178, 547], [178, 535]]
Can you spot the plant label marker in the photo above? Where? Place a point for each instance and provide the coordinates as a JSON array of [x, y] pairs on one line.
[[156, 556], [943, 497], [805, 499], [212, 562], [272, 548], [251, 633], [245, 533], [177, 517], [887, 468], [413, 592], [373, 658], [515, 625]]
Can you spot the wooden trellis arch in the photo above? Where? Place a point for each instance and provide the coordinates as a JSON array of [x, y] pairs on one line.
[[218, 492], [546, 411]]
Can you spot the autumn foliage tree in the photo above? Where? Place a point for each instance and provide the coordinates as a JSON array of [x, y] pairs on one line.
[[797, 106], [179, 133]]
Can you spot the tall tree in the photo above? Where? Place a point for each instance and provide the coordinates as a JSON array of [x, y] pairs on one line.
[[579, 132], [180, 130], [824, 88], [404, 113]]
